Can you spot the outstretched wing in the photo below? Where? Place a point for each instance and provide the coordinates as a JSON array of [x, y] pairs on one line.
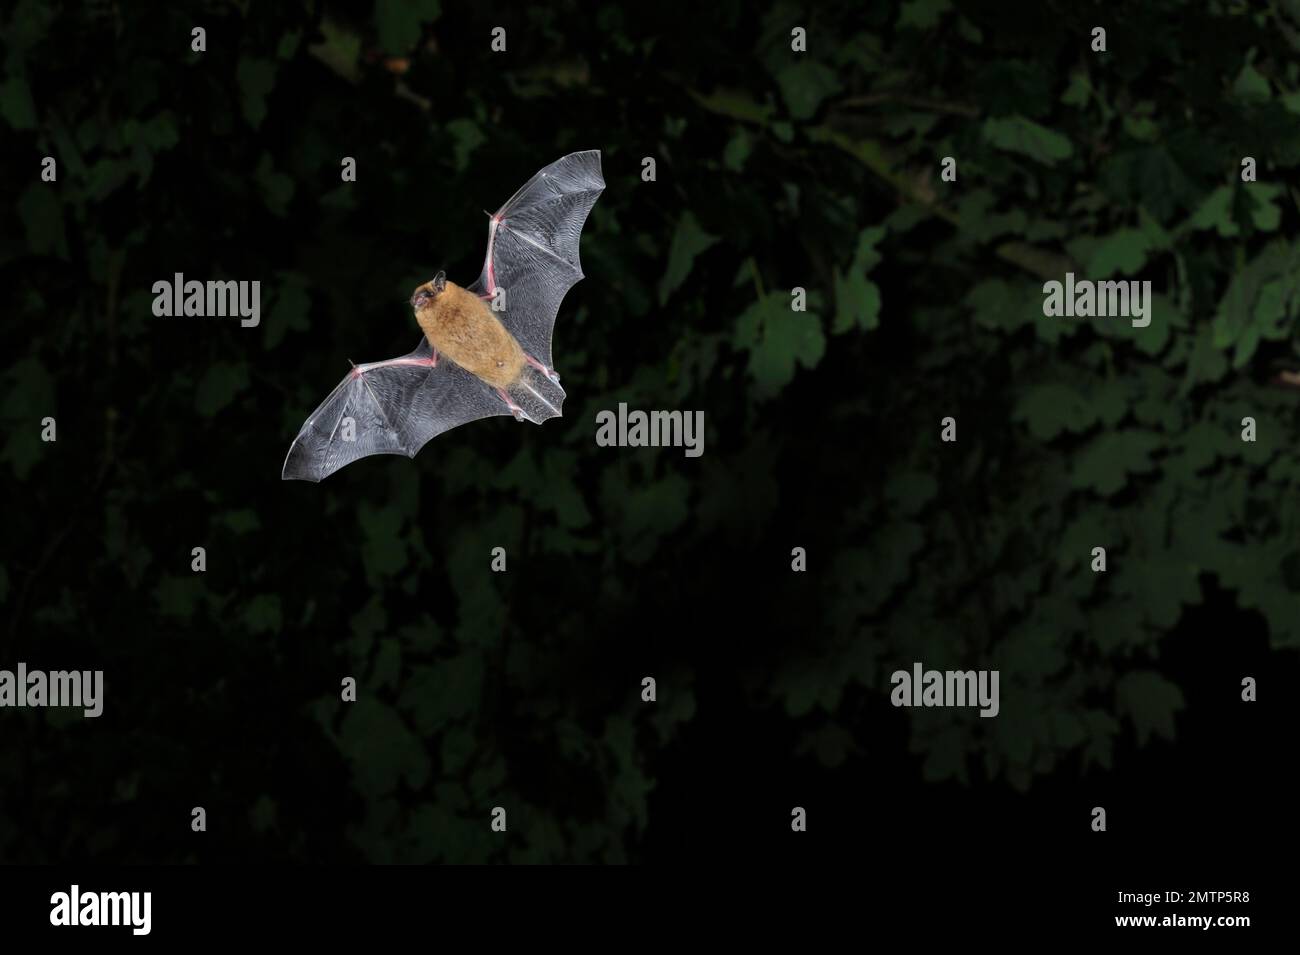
[[388, 407], [532, 249]]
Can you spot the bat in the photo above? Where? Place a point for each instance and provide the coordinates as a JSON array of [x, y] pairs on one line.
[[486, 349]]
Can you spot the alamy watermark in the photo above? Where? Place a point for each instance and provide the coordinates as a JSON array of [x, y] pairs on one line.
[[58, 688], [195, 299], [75, 907], [653, 429], [924, 687], [1086, 299]]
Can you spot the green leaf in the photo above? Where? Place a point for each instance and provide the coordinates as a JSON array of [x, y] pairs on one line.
[[857, 302], [1207, 362], [288, 309], [1020, 135], [1154, 176], [857, 298], [999, 304], [910, 491], [557, 492], [805, 84], [1105, 464], [1216, 212], [879, 569], [832, 744], [277, 188], [1251, 84], [106, 176], [30, 24], [42, 216], [1151, 340], [1014, 734], [28, 396], [256, 77], [1266, 214], [799, 689], [1079, 89], [735, 104], [241, 521], [737, 150], [689, 240], [179, 597], [778, 339], [288, 45], [16, 104], [219, 386], [382, 749], [866, 256], [1164, 583], [1150, 702], [1067, 728], [1141, 128], [1123, 252], [340, 50], [155, 134], [383, 552], [1260, 301], [399, 22], [262, 615], [387, 668], [922, 14], [466, 137], [452, 690], [982, 223], [1053, 408], [261, 818], [370, 621], [1100, 729], [644, 514]]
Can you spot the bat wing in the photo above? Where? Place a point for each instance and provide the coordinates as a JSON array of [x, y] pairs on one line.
[[532, 252], [388, 407]]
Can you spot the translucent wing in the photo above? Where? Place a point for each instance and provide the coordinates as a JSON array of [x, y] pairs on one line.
[[388, 407], [396, 406], [532, 252]]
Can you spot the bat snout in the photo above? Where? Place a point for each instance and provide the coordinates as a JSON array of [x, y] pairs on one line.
[[427, 292]]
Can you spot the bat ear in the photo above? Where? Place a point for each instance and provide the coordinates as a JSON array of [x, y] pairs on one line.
[[440, 281]]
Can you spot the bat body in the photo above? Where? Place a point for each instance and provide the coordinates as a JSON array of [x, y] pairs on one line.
[[486, 349], [461, 326]]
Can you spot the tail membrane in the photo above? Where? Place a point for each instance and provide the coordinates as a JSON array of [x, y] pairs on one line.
[[538, 396]]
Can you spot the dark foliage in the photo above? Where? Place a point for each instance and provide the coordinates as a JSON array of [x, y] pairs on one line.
[[775, 170]]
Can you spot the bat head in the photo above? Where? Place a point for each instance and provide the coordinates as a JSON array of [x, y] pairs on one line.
[[426, 293]]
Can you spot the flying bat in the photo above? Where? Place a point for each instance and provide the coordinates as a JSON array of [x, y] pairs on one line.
[[486, 349]]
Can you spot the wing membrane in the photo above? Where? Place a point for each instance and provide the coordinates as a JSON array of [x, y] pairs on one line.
[[533, 248], [395, 407]]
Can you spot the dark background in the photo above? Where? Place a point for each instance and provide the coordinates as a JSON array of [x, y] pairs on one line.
[[774, 170]]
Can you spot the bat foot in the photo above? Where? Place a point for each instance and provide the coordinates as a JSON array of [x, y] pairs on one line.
[[550, 373], [515, 410]]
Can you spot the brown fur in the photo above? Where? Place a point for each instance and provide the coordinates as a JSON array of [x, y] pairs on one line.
[[461, 326]]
